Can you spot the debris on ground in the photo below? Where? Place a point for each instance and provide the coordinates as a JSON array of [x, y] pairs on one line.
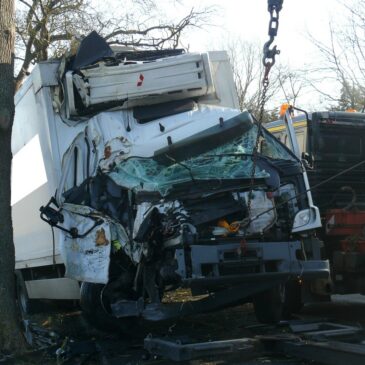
[[64, 338]]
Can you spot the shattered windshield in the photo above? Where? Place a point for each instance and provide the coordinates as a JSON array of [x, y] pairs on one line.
[[232, 160]]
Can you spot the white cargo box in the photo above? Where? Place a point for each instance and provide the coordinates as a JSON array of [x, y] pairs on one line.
[[171, 78]]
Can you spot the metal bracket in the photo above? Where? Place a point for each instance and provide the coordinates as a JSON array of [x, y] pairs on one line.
[[176, 351]]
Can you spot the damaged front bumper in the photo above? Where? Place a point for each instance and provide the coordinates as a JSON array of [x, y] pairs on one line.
[[230, 273], [246, 261]]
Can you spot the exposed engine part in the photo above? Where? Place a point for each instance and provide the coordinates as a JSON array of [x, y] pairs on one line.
[[261, 201]]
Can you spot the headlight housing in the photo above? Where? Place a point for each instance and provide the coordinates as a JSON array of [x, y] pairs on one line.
[[307, 219], [302, 218]]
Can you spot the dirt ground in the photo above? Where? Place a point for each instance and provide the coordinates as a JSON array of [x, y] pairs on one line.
[[68, 326]]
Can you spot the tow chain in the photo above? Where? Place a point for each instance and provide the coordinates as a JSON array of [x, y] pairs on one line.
[[268, 60]]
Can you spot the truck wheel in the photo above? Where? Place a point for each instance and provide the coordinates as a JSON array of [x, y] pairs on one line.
[[26, 306], [293, 299], [95, 310], [269, 304]]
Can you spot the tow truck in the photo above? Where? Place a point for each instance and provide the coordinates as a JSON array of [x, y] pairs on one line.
[[331, 144]]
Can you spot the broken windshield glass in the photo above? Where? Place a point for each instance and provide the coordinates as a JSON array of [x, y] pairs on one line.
[[232, 160], [272, 149]]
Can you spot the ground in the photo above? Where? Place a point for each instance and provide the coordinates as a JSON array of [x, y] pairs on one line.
[[126, 349]]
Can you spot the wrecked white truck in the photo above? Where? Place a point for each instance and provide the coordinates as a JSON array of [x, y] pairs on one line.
[[154, 187]]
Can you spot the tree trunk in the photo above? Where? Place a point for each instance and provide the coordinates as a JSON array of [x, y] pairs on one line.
[[11, 338]]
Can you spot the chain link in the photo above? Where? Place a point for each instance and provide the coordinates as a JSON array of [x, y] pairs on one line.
[[268, 59]]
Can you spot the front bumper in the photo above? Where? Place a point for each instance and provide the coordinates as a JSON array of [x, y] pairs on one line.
[[211, 265], [231, 273]]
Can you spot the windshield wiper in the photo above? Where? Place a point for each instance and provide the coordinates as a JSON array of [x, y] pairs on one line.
[[240, 154], [259, 155]]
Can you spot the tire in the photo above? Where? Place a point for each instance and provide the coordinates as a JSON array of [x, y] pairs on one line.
[[26, 306], [96, 313], [293, 299], [269, 305]]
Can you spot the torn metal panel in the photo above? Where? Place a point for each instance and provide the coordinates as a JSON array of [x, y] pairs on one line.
[[92, 48], [88, 258]]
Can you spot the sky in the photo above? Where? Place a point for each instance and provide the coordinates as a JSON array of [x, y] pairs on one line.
[[249, 19]]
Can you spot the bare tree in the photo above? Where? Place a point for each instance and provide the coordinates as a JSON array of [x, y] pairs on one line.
[[246, 67], [285, 84], [351, 98], [46, 27], [343, 57], [10, 335], [292, 83], [43, 26]]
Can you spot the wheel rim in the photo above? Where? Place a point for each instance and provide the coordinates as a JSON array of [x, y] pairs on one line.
[[105, 304]]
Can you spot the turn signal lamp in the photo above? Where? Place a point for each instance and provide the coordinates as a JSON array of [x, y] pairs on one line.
[[284, 107]]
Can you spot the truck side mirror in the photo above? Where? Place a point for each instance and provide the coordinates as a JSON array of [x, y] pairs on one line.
[[308, 160]]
